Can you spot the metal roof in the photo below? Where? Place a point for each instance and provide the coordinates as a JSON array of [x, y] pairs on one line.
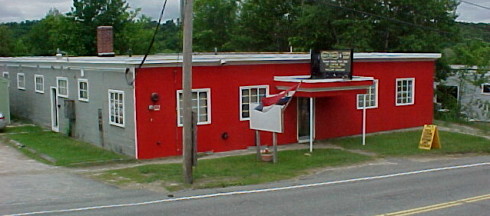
[[167, 60]]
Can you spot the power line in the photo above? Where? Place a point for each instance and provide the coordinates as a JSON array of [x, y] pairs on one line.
[[154, 34], [476, 5]]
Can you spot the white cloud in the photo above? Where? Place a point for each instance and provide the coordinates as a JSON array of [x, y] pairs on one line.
[[472, 13], [19, 10]]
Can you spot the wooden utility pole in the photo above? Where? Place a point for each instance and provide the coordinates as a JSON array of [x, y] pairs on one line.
[[187, 93]]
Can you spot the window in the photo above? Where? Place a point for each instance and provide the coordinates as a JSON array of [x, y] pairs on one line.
[[248, 95], [405, 91], [83, 90], [485, 88], [116, 108], [5, 75], [200, 105], [371, 97], [62, 86], [39, 83], [21, 81]]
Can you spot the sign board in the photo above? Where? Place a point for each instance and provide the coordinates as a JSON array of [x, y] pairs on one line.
[[332, 64], [270, 120], [429, 138]]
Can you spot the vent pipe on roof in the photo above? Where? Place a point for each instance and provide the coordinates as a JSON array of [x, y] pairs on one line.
[[105, 41]]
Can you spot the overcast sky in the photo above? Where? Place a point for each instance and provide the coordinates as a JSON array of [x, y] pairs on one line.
[[19, 10]]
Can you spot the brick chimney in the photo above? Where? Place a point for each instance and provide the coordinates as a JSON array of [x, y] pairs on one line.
[[105, 41]]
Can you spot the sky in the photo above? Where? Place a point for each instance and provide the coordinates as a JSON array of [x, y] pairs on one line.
[[20, 10]]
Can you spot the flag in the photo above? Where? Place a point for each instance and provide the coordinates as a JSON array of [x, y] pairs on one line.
[[282, 99]]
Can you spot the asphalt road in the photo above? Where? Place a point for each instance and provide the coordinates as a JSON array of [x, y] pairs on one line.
[[381, 187]]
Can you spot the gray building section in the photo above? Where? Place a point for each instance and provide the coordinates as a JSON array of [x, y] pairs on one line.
[[87, 120], [4, 98], [475, 103]]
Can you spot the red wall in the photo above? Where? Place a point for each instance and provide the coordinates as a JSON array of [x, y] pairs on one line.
[[158, 134], [157, 131], [338, 116]]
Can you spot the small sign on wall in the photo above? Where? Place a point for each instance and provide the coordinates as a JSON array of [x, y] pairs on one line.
[[429, 138]]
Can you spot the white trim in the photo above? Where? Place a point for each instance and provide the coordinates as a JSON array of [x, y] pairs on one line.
[[42, 83], [482, 88], [298, 122], [240, 98], [412, 92], [208, 105], [123, 108], [376, 94], [23, 81], [58, 79], [6, 73], [87, 90], [135, 122]]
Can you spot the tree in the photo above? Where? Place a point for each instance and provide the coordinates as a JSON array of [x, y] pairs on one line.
[[213, 24], [53, 32], [265, 25], [6, 42], [92, 13]]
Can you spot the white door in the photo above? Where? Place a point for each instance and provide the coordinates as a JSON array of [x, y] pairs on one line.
[[55, 116]]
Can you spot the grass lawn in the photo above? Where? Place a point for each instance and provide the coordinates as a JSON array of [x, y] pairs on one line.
[[64, 150], [406, 143], [235, 170]]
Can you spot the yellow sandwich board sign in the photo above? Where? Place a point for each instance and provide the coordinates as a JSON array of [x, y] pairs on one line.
[[429, 138]]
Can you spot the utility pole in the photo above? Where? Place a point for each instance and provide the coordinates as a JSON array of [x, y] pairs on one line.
[[187, 93]]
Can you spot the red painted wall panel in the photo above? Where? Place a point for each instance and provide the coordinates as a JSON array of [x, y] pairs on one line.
[[158, 134], [338, 116]]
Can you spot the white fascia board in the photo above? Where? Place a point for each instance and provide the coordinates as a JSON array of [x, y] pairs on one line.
[[201, 60]]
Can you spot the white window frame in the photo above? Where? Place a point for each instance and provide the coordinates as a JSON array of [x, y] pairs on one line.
[[258, 99], [41, 84], [6, 75], [412, 102], [21, 85], [80, 90], [483, 88], [110, 103], [208, 106], [58, 79], [369, 94]]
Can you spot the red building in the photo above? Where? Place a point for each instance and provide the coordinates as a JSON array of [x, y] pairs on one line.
[[399, 95]]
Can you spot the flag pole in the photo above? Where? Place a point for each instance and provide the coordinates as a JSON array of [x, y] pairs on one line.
[[364, 121]]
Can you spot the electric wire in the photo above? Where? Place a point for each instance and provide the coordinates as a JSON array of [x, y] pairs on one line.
[[154, 34], [149, 47], [476, 5]]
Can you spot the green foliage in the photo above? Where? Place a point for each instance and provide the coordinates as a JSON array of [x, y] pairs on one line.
[[66, 151], [252, 25], [88, 14], [213, 24], [236, 170], [406, 144], [6, 42]]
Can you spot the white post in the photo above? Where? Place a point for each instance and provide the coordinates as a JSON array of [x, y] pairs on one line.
[[364, 120], [274, 144], [311, 124]]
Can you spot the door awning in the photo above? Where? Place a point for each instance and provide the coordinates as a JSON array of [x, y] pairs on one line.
[[324, 87]]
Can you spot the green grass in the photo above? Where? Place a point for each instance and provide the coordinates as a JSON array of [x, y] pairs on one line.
[[23, 129], [406, 144], [64, 150], [235, 170]]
